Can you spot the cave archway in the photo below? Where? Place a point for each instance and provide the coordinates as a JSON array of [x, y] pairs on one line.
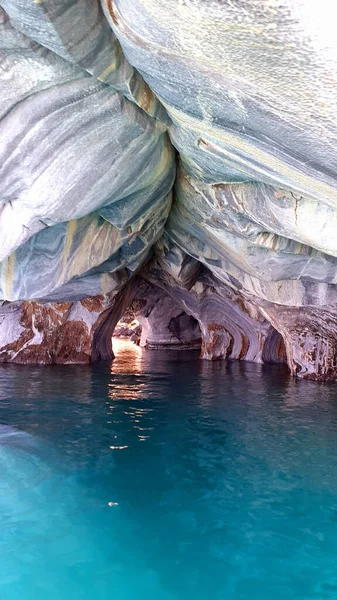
[[274, 349], [151, 318], [154, 320]]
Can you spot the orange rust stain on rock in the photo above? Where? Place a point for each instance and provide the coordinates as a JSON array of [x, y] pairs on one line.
[[13, 348], [109, 5], [215, 327], [244, 346], [57, 339], [41, 316], [240, 303], [217, 344], [73, 343], [138, 304], [93, 304]]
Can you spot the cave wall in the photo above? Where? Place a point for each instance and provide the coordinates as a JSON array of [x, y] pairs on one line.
[[61, 332], [190, 143]]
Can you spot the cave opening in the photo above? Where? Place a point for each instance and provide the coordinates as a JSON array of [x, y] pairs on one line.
[[154, 320], [128, 327]]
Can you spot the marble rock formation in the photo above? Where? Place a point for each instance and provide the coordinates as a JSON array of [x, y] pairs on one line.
[[101, 103], [61, 332], [230, 325], [310, 340], [86, 174], [164, 324]]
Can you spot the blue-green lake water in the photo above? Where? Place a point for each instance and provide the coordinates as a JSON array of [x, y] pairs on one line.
[[167, 478]]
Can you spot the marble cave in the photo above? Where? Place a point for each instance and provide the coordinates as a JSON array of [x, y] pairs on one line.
[[177, 156]]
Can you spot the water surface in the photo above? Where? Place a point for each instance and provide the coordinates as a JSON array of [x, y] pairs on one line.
[[167, 478]]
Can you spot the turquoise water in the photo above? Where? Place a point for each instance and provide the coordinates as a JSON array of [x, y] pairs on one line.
[[162, 477]]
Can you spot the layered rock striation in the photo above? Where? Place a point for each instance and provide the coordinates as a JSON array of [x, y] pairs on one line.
[[178, 153]]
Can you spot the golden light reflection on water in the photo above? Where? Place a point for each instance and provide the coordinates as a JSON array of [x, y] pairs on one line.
[[128, 363], [128, 356]]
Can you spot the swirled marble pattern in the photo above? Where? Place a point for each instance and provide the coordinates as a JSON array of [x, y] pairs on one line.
[[249, 85], [81, 167], [225, 227], [230, 325], [77, 31], [96, 102]]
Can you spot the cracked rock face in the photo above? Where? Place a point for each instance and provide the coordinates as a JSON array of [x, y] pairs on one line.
[[180, 152]]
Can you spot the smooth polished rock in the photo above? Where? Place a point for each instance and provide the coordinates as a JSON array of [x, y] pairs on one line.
[[249, 86], [238, 232], [310, 337], [250, 89], [49, 143], [249, 248], [80, 258], [77, 31], [86, 178]]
